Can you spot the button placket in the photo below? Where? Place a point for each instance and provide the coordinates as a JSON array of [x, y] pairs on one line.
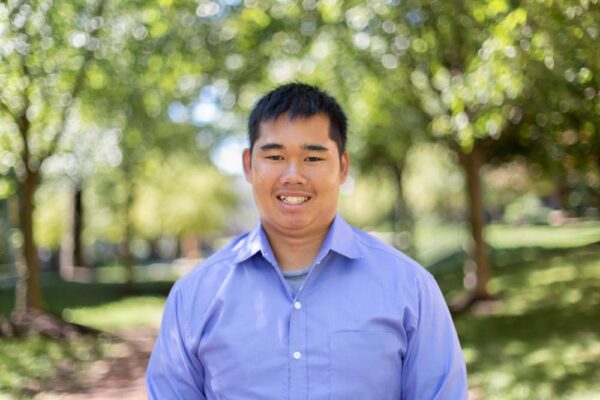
[[297, 348]]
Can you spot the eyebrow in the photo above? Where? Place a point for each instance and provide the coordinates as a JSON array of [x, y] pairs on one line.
[[271, 146], [314, 147], [307, 147]]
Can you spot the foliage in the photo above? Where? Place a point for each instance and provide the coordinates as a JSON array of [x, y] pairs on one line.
[[361, 207], [179, 196], [43, 60], [174, 196], [51, 214], [527, 209], [86, 84], [433, 182]]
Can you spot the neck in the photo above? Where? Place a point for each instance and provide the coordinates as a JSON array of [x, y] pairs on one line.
[[294, 253]]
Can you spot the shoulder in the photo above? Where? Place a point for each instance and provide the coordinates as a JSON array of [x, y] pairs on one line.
[[389, 259], [209, 273], [193, 295]]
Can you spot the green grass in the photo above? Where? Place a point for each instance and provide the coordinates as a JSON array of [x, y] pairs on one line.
[[557, 237], [60, 295], [434, 242], [27, 366], [127, 313], [543, 339], [540, 341]]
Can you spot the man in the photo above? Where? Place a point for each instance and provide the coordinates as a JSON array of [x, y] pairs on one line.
[[305, 306]]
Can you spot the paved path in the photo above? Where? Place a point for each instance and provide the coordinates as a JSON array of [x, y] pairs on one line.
[[119, 376]]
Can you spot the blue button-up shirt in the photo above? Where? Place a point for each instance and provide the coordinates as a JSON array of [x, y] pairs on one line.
[[368, 323]]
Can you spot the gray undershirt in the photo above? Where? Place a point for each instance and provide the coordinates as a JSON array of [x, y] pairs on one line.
[[296, 278]]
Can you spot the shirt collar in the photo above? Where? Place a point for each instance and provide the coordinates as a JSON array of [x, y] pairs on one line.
[[340, 238]]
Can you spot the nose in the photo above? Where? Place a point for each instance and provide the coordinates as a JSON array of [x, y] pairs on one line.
[[292, 175]]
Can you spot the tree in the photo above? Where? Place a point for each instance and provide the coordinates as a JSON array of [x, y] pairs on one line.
[[465, 73], [559, 116], [483, 73], [146, 63], [46, 52]]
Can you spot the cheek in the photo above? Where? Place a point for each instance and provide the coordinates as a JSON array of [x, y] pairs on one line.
[[262, 178]]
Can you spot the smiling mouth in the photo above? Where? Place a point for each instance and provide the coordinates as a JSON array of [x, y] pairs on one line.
[[293, 199]]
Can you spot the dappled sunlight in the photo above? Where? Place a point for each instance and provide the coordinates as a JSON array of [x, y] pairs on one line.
[[470, 354], [542, 339], [559, 366], [507, 236], [144, 311], [559, 281], [552, 275], [122, 123], [541, 356], [26, 365]]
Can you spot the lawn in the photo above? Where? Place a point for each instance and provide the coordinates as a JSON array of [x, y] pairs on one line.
[[29, 366], [541, 340]]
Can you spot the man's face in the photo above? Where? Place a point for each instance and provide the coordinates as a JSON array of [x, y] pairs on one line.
[[296, 171]]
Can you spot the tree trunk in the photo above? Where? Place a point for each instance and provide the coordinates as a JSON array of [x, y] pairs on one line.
[[403, 222], [477, 268], [72, 261], [28, 292], [127, 256], [77, 227]]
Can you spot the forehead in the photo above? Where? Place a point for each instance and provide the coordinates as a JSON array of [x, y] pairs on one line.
[[299, 130]]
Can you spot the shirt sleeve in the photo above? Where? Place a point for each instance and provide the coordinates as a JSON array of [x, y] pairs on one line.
[[434, 367], [174, 372]]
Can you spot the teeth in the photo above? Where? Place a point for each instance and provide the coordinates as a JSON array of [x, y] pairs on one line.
[[293, 200]]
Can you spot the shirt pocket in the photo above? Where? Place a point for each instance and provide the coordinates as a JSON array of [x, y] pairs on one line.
[[364, 365]]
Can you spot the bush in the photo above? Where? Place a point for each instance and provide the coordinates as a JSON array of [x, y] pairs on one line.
[[527, 209]]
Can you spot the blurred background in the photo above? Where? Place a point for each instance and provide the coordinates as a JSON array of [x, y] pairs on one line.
[[474, 145]]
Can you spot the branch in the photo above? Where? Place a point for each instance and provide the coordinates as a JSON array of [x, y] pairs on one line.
[[6, 108], [20, 118], [75, 90]]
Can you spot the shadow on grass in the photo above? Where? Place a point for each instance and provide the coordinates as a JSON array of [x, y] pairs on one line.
[[554, 347], [31, 365], [541, 340], [448, 271], [59, 295]]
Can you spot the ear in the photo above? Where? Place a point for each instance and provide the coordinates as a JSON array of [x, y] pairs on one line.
[[247, 161], [344, 166]]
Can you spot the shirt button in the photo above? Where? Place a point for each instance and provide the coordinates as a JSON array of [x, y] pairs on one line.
[[297, 305], [297, 355]]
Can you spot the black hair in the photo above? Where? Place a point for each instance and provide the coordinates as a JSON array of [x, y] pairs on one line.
[[299, 100]]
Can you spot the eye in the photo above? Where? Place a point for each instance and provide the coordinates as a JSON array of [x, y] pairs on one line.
[[274, 158], [313, 159]]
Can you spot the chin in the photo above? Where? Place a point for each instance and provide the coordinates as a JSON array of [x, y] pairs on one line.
[[289, 224], [304, 225]]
